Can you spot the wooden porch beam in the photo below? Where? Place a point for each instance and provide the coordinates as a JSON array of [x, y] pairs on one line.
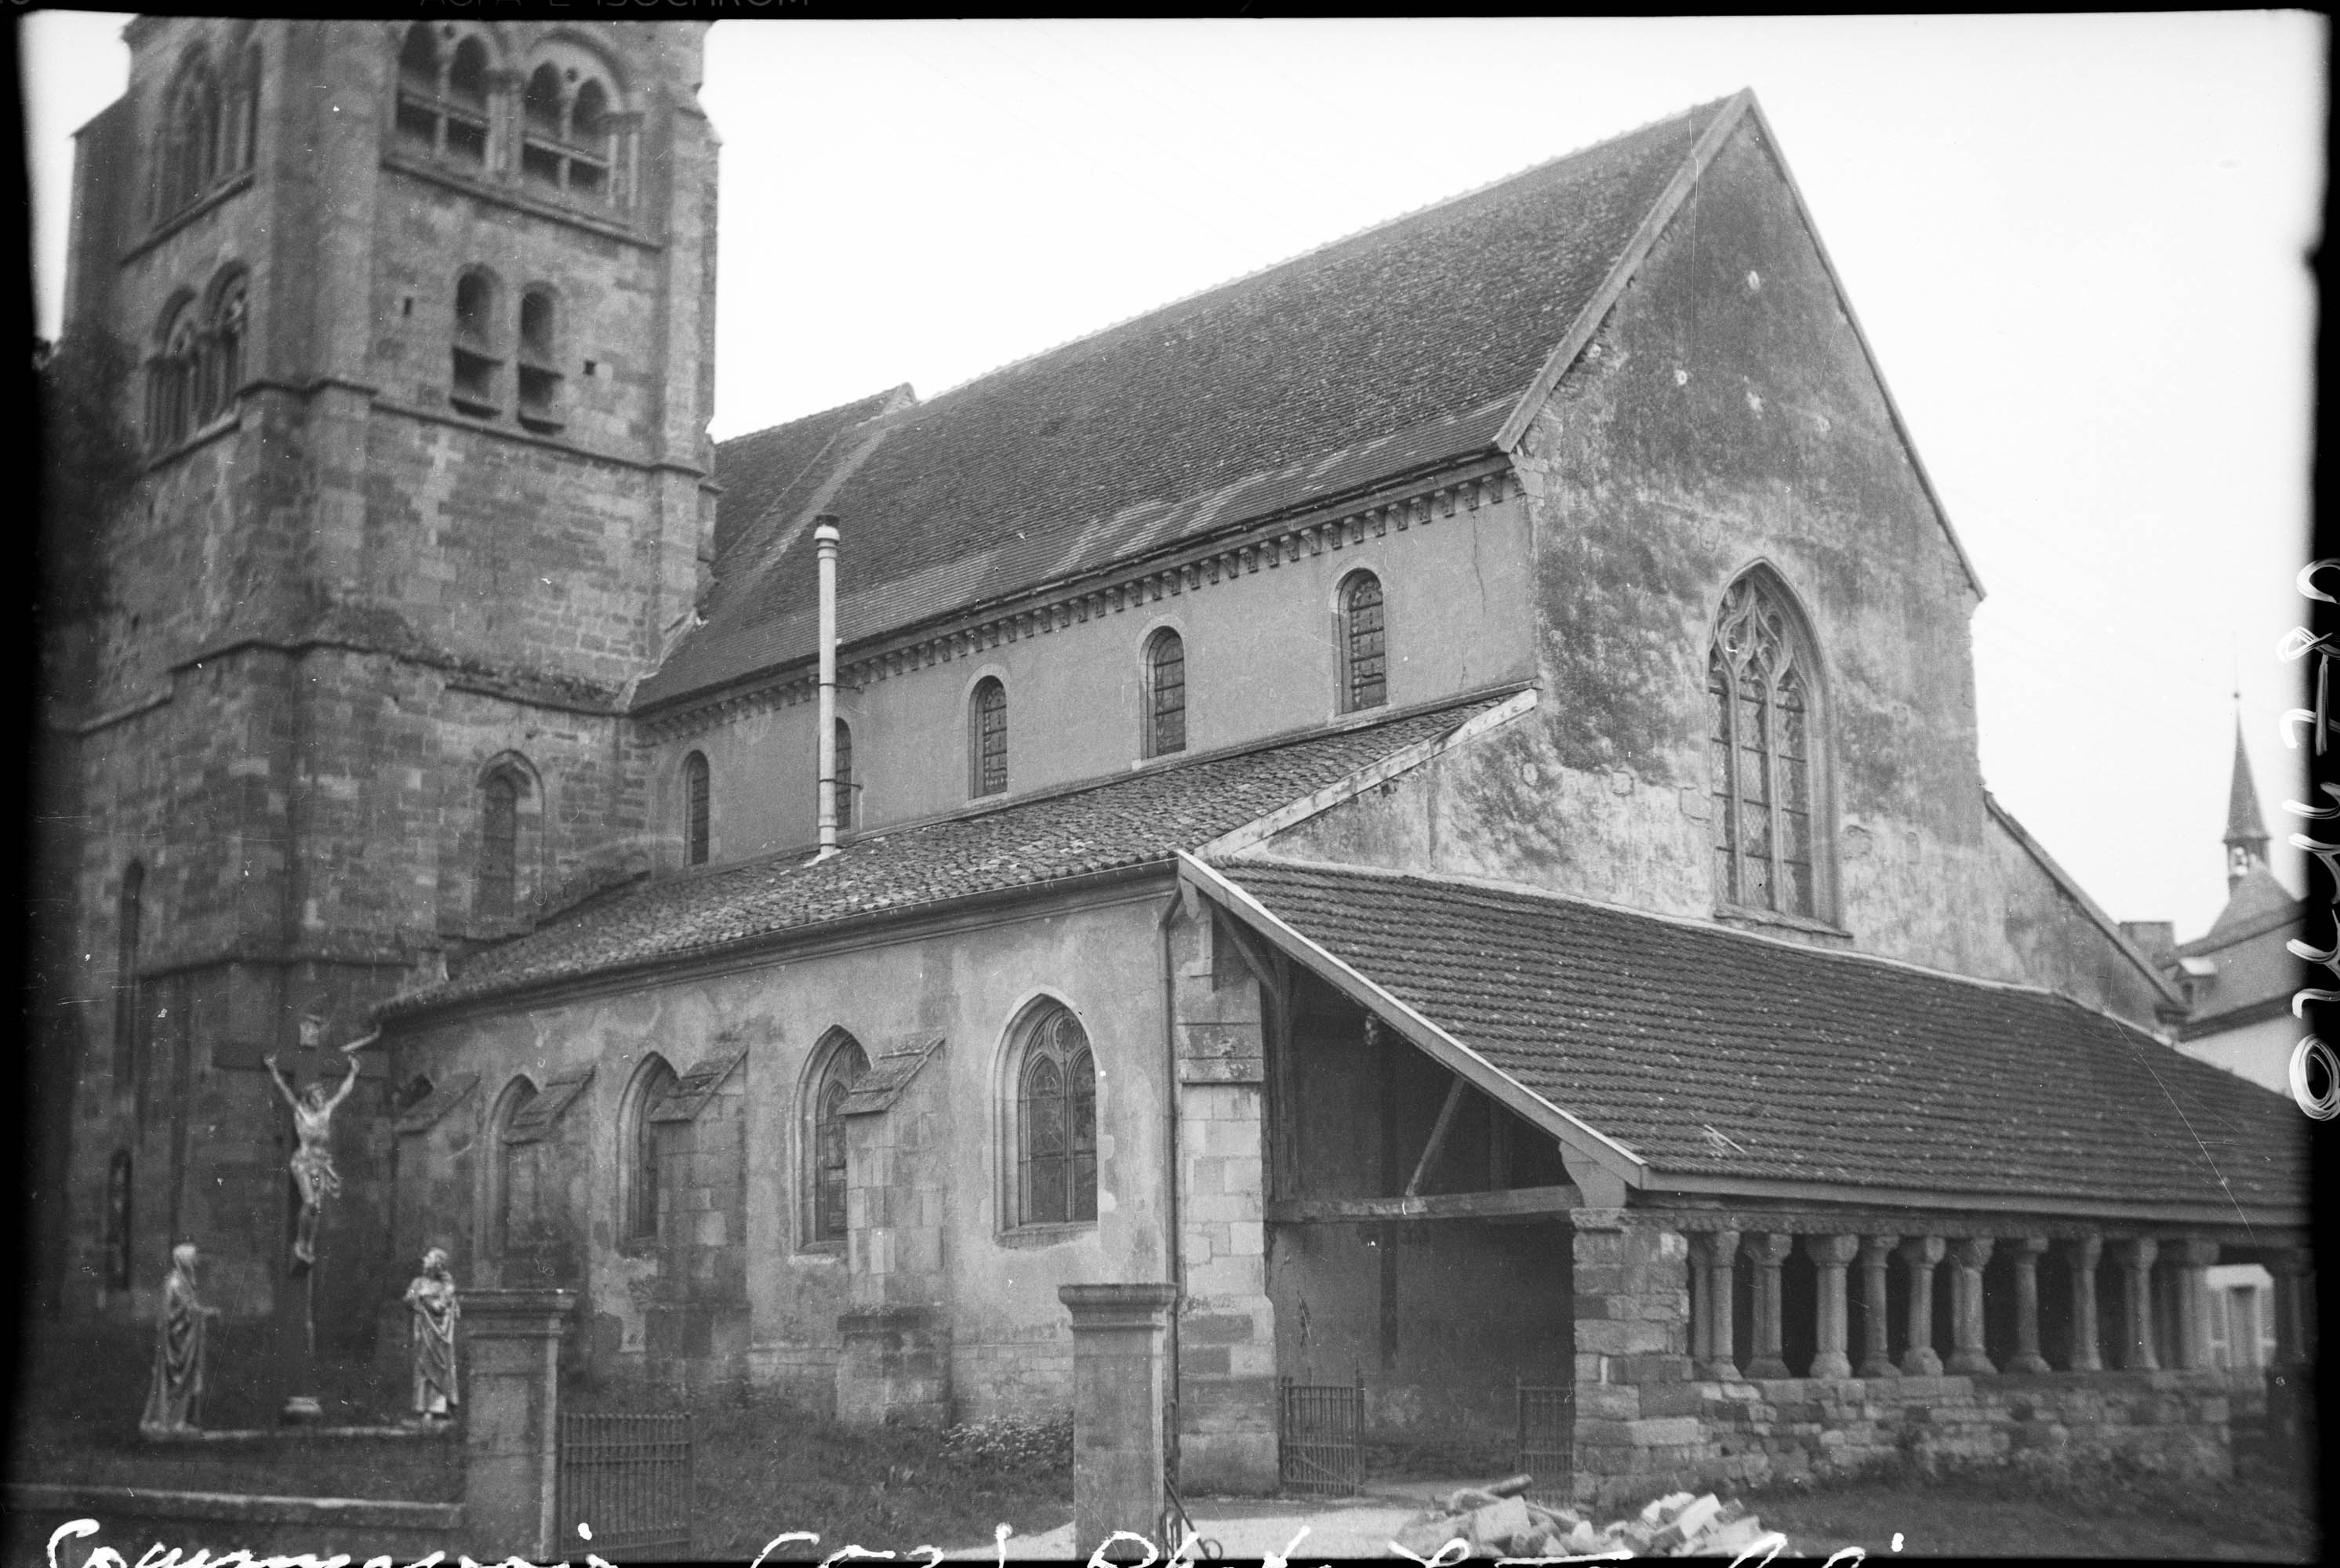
[[1518, 1200], [1437, 1134]]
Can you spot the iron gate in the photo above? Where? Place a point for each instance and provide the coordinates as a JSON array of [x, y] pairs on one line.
[[1320, 1428], [1547, 1416], [629, 1478]]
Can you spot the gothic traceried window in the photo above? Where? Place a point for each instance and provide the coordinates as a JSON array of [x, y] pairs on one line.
[[1364, 654], [1759, 745], [567, 140], [847, 1062], [1056, 1123], [986, 739], [1166, 694]]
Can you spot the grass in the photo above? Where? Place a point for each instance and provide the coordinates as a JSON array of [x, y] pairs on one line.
[[764, 1466], [79, 1394], [2261, 1515]]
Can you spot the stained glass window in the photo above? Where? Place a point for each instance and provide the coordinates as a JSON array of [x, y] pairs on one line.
[[847, 1063], [988, 739], [1166, 694], [498, 844]]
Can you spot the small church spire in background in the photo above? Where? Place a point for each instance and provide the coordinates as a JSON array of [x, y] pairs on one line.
[[2246, 834]]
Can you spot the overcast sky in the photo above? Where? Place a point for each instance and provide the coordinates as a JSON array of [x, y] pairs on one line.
[[2078, 244]]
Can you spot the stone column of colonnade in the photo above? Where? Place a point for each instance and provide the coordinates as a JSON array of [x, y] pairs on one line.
[[1844, 1262]]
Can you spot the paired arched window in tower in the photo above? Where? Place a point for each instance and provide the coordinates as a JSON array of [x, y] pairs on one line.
[[1053, 1115], [1762, 703], [197, 366], [565, 112], [641, 1170], [210, 130], [1363, 645], [191, 138], [987, 738], [1165, 692], [129, 914], [697, 800], [442, 92], [841, 1063]]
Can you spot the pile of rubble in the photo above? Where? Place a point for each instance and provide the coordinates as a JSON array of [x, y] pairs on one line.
[[1497, 1522]]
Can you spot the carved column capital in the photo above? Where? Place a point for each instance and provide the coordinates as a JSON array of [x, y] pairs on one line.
[[1834, 1251], [1924, 1251], [1768, 1249], [1714, 1246], [1971, 1251], [2193, 1254]]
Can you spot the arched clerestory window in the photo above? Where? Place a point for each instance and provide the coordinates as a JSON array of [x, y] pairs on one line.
[[1053, 1116], [843, 797], [1165, 692], [987, 738], [697, 801], [1761, 702], [1363, 645], [642, 1168], [840, 1062], [540, 360]]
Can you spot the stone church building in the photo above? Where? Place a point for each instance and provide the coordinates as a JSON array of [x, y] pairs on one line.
[[1426, 796]]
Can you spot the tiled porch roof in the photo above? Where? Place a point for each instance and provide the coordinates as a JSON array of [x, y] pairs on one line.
[[1127, 821], [1708, 1052]]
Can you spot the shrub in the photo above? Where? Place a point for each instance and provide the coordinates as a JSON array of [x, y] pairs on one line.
[[1012, 1444]]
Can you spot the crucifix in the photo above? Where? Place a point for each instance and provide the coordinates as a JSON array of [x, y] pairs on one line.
[[314, 1180]]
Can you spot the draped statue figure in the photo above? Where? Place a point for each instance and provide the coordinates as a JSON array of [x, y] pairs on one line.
[[313, 1161], [431, 1300], [176, 1396]]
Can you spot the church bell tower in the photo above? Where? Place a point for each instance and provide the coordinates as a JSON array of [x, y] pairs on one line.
[[414, 324], [2246, 834]]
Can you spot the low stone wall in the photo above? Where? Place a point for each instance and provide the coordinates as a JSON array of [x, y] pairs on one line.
[[2169, 1422], [133, 1520]]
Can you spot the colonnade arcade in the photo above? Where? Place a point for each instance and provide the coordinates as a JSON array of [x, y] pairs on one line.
[[1797, 1300]]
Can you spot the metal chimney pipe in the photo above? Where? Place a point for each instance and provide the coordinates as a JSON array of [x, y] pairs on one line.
[[824, 539]]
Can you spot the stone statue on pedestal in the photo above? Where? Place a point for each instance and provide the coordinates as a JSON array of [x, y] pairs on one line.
[[176, 1396], [432, 1301], [313, 1161]]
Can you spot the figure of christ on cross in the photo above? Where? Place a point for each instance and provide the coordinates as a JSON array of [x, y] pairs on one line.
[[313, 1161]]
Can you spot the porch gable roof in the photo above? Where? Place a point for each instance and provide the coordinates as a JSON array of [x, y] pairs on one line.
[[1713, 1057]]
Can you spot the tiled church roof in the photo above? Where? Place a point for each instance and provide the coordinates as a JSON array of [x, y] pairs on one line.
[[757, 469], [1126, 822], [1709, 1051], [1390, 350]]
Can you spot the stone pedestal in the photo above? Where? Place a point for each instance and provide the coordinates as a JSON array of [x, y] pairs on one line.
[[895, 1366], [511, 1408], [1117, 1410]]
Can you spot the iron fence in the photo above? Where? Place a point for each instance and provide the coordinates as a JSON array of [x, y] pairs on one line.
[[629, 1478], [1320, 1428], [1547, 1441]]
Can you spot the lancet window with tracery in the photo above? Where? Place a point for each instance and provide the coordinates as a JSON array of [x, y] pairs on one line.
[[1759, 744]]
